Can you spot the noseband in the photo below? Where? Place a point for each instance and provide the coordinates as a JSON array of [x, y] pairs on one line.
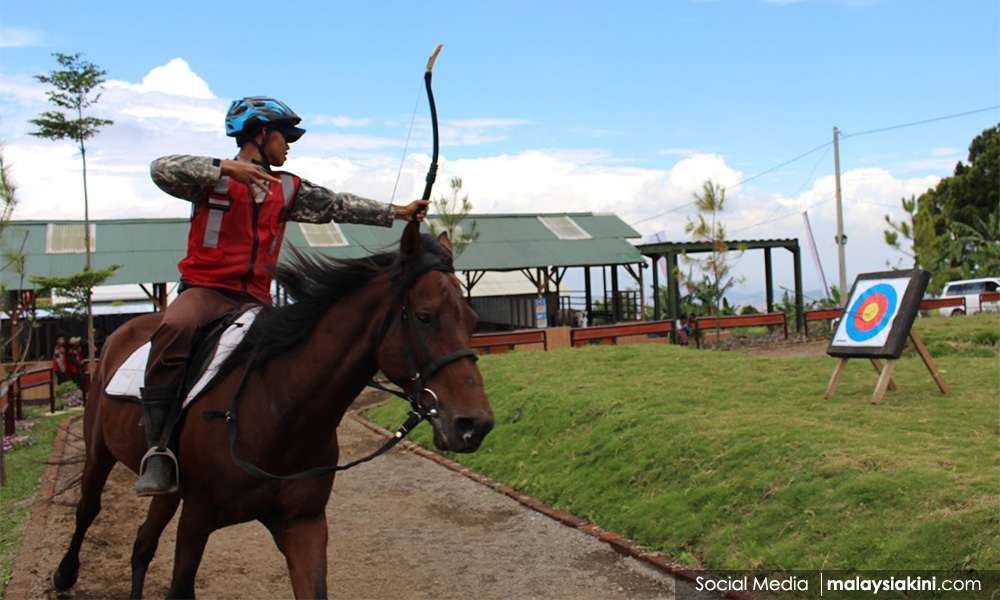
[[421, 366]]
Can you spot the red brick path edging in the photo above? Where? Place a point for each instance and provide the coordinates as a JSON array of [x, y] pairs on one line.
[[618, 542]]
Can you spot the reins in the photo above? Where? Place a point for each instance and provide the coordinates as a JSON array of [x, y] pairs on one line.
[[418, 375]]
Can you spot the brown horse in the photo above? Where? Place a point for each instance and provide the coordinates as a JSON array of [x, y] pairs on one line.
[[294, 377]]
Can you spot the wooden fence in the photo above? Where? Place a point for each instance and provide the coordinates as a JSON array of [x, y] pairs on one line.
[[505, 341], [609, 334], [732, 321], [12, 394]]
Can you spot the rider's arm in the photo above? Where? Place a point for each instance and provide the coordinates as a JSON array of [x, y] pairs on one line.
[[186, 177], [316, 204]]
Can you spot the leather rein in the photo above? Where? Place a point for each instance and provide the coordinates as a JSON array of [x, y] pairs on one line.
[[421, 366]]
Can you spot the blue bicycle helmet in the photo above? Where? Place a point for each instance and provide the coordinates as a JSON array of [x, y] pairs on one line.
[[247, 116]]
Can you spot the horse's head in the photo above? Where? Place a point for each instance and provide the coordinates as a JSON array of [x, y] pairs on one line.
[[427, 345]]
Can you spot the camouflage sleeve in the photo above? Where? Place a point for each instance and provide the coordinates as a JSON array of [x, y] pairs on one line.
[[316, 204], [185, 177]]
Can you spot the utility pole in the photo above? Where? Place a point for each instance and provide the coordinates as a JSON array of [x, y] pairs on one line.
[[841, 239]]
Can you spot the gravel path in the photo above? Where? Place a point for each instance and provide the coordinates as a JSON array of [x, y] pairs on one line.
[[401, 526]]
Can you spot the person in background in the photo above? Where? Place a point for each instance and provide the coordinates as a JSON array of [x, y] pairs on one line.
[[59, 366], [74, 361], [684, 332]]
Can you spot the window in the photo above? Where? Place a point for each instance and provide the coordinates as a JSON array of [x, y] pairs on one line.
[[68, 239], [565, 228], [323, 235]]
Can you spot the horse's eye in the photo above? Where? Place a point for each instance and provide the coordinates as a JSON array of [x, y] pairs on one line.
[[424, 318]]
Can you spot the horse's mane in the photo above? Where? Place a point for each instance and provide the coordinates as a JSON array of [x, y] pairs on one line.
[[314, 283]]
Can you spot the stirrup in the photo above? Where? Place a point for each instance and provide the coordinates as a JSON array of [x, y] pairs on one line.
[[154, 451]]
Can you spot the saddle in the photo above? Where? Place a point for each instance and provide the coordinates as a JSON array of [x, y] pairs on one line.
[[213, 344]]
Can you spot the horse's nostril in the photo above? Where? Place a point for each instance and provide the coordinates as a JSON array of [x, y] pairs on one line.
[[466, 428]]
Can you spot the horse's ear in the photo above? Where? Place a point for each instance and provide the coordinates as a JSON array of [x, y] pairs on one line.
[[409, 246], [446, 247]]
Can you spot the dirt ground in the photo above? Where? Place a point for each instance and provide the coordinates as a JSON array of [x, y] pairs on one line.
[[789, 350], [401, 526]]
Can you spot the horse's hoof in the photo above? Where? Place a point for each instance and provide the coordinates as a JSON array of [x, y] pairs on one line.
[[62, 582]]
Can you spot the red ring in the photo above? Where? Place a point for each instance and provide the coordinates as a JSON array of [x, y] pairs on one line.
[[883, 305]]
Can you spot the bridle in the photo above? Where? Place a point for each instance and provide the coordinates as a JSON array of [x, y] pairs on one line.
[[420, 365]]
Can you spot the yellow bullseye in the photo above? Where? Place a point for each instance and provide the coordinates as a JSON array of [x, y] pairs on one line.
[[870, 312]]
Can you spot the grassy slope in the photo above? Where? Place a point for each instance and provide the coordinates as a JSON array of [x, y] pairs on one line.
[[731, 460]]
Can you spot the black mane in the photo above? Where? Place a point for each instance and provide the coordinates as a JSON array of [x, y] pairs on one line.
[[314, 283]]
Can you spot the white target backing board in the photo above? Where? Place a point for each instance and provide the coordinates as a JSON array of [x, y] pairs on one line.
[[879, 314]]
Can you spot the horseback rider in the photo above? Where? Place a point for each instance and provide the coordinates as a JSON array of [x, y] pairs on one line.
[[240, 210]]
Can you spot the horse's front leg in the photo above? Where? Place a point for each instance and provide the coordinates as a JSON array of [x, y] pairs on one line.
[[303, 541], [196, 524], [161, 510], [95, 474]]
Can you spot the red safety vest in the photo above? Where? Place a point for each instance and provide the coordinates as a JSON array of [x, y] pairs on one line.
[[234, 242]]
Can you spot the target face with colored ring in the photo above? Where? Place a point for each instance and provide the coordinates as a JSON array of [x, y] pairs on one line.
[[871, 312], [879, 314]]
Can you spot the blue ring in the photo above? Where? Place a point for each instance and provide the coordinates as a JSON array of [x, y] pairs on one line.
[[863, 336]]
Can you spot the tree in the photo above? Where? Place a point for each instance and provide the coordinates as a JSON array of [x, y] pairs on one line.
[[718, 265], [955, 222], [74, 91], [450, 215], [76, 287], [903, 230], [13, 262]]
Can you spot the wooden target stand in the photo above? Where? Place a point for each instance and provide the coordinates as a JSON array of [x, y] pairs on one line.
[[876, 323], [885, 372]]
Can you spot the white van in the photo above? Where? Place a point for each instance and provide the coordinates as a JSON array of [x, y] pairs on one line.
[[970, 289]]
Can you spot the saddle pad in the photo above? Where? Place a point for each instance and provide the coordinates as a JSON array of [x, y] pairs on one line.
[[131, 376]]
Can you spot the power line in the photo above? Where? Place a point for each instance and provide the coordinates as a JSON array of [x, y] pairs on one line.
[[666, 212], [816, 149], [915, 123], [787, 162]]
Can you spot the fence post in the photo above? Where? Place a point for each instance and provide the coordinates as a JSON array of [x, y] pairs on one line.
[[8, 412], [18, 411], [52, 390]]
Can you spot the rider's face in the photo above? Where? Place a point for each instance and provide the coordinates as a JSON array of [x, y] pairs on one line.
[[276, 150]]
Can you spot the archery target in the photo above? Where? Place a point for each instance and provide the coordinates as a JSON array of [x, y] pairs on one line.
[[880, 308], [872, 312]]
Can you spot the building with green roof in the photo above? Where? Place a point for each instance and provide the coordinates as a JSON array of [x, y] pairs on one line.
[[542, 247]]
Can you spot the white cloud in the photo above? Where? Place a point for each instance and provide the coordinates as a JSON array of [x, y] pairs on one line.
[[945, 152], [174, 78], [17, 37]]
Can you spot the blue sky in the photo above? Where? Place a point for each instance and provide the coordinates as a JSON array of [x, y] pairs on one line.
[[622, 107]]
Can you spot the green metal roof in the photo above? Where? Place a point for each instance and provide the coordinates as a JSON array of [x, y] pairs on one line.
[[149, 249], [511, 242]]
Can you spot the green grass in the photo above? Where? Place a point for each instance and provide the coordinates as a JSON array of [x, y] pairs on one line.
[[25, 466], [730, 460]]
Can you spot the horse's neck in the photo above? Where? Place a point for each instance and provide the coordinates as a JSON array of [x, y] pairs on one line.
[[338, 358]]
